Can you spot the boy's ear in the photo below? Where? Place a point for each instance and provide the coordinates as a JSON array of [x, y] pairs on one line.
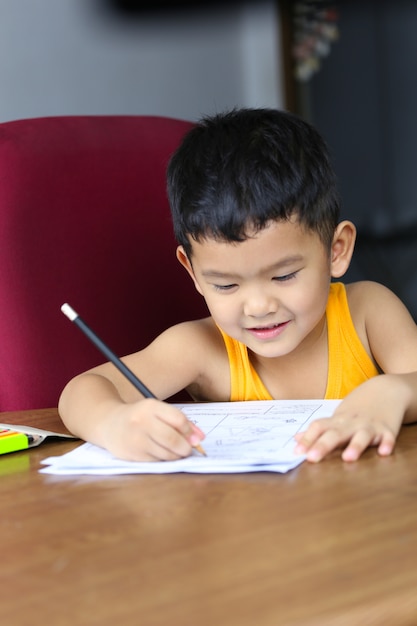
[[185, 262], [342, 248]]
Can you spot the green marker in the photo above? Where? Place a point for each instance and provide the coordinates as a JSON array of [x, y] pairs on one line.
[[12, 441]]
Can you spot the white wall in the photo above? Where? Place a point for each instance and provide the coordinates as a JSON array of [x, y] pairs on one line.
[[69, 57]]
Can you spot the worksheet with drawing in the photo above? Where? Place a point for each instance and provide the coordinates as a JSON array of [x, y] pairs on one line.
[[240, 437]]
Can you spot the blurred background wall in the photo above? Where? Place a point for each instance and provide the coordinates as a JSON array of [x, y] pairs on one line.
[[65, 57], [363, 99]]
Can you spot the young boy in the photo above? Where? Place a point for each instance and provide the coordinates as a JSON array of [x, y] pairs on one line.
[[256, 215]]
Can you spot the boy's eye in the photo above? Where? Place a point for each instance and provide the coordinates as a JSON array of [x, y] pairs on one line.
[[282, 279], [225, 287]]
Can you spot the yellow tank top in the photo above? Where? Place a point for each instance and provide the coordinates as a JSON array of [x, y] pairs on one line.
[[349, 363]]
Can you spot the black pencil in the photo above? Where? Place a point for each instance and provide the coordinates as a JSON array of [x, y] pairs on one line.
[[112, 357]]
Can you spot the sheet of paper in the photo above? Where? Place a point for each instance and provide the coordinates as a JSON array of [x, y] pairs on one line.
[[240, 437]]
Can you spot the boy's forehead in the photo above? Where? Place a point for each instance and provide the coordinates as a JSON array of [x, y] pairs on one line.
[[276, 229]]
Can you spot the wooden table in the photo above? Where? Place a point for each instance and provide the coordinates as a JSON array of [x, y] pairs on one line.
[[324, 545]]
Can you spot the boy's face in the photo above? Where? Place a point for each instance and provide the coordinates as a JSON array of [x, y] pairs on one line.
[[269, 291]]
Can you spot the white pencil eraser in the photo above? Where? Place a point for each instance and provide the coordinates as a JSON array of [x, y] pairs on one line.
[[69, 312]]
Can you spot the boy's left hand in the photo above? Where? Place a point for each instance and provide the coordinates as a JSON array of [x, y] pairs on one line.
[[371, 415]]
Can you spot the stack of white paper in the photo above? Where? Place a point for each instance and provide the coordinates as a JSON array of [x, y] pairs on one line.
[[240, 437]]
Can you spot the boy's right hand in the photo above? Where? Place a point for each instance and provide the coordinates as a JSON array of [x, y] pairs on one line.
[[150, 430]]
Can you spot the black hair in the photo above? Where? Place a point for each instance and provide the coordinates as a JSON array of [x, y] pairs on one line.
[[236, 172]]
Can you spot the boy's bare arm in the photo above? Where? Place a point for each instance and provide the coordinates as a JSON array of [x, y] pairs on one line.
[[372, 414]]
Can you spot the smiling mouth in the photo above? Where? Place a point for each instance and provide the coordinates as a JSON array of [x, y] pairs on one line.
[[268, 332]]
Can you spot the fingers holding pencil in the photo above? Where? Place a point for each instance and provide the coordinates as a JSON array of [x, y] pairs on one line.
[[151, 430], [178, 421]]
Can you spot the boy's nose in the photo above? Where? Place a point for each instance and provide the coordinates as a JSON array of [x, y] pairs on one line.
[[259, 305]]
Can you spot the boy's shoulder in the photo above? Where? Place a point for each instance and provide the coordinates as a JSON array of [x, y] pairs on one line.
[[200, 334], [366, 293], [384, 325], [204, 329], [369, 300], [378, 311], [197, 350], [361, 287]]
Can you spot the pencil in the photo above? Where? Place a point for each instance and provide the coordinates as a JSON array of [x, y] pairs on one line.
[[112, 357]]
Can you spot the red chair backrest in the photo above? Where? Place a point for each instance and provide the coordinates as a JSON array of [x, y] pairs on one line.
[[84, 219]]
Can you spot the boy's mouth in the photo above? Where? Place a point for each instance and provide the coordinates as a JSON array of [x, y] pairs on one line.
[[268, 332]]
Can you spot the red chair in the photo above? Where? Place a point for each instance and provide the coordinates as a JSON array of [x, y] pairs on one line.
[[84, 219]]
